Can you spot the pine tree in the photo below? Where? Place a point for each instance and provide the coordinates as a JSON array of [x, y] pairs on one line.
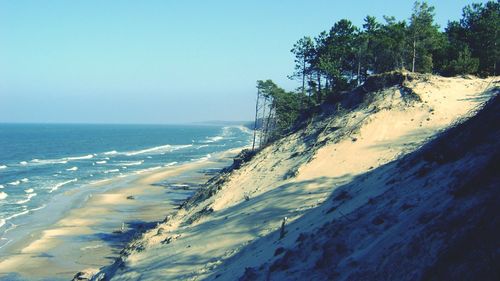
[[423, 36]]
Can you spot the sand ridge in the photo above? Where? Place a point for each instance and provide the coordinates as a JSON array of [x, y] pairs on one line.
[[292, 177]]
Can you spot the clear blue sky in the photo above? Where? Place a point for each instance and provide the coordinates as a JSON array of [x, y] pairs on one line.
[[165, 61]]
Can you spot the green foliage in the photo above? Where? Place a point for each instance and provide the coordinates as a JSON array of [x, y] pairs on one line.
[[389, 46], [345, 56], [304, 51], [481, 24], [284, 107], [424, 36], [464, 63]]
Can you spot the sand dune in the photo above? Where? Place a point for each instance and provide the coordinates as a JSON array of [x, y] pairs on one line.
[[232, 228]]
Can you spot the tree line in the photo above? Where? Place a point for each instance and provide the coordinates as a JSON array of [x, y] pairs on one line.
[[342, 58]]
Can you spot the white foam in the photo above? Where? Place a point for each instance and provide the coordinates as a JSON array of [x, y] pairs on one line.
[[148, 170], [72, 169], [29, 190], [111, 171], [28, 198], [134, 163], [39, 208], [3, 195], [154, 168], [245, 130], [170, 164], [1, 186], [25, 180], [17, 215], [57, 161], [202, 146], [112, 152], [158, 149], [14, 183], [202, 159], [213, 139], [101, 162], [3, 167], [57, 186], [101, 181], [49, 161], [90, 156]]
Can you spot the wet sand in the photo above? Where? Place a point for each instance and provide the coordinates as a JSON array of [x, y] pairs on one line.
[[93, 233]]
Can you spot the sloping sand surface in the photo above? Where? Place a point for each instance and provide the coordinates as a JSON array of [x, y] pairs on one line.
[[217, 238]]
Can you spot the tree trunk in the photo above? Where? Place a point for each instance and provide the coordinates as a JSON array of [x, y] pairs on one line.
[[268, 121], [262, 129], [256, 118], [320, 96], [359, 69], [414, 53], [304, 77]]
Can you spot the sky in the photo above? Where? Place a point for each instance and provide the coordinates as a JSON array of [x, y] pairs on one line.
[[160, 61]]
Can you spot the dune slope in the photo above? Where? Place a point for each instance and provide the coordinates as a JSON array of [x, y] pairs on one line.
[[351, 186]]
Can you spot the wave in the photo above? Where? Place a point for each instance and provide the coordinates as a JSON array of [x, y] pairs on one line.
[[57, 161], [25, 180], [3, 167], [110, 152], [49, 161], [28, 198], [17, 215], [39, 208], [204, 158], [149, 169], [57, 186], [29, 190], [202, 146], [100, 181], [134, 163], [101, 162], [213, 139], [14, 183], [72, 169], [90, 156], [1, 186], [3, 195], [245, 130], [170, 164], [158, 149], [111, 171]]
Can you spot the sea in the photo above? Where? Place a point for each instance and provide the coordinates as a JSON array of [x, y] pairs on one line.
[[42, 162]]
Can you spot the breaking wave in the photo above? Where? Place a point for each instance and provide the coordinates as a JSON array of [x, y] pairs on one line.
[[158, 149], [57, 186], [28, 198]]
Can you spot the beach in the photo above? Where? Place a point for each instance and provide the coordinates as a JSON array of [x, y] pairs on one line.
[[92, 233]]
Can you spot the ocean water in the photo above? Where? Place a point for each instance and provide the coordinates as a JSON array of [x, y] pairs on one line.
[[39, 162]]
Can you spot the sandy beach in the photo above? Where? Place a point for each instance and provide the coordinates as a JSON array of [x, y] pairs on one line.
[[92, 234]]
